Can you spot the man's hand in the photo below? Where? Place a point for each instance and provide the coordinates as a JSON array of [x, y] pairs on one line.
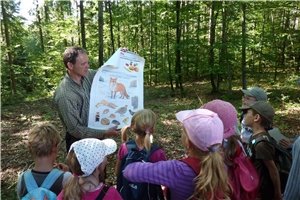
[[113, 131], [286, 143]]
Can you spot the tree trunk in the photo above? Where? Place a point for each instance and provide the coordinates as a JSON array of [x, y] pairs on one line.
[[244, 78], [100, 32], [111, 27], [211, 60], [82, 24], [11, 69], [177, 53], [223, 53], [151, 47]]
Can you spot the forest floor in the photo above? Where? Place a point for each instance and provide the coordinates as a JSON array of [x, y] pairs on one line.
[[18, 119]]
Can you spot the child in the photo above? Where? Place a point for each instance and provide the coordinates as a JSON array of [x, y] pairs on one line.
[[227, 113], [43, 144], [259, 116], [143, 124], [202, 137], [87, 160], [292, 187], [250, 96], [232, 147]]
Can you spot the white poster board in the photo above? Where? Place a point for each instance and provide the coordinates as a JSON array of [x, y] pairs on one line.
[[117, 91]]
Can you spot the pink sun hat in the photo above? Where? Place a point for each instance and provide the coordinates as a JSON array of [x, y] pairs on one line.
[[227, 113], [203, 127]]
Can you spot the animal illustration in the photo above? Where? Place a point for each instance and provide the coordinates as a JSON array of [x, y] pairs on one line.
[[122, 110], [131, 112], [112, 116], [115, 122], [105, 111], [126, 120], [117, 87], [105, 121], [106, 103], [133, 83], [135, 102]]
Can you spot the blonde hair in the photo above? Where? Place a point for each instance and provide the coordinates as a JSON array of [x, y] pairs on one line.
[[73, 189], [141, 123], [212, 179], [42, 139]]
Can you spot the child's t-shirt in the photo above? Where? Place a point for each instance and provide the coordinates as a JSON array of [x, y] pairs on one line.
[[39, 178], [156, 156], [262, 151], [111, 193]]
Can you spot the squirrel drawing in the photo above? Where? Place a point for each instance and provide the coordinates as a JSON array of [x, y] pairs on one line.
[[117, 87]]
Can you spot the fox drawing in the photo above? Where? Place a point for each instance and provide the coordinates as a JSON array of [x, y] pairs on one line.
[[117, 87]]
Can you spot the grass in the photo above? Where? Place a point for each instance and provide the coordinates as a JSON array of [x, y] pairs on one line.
[[20, 117]]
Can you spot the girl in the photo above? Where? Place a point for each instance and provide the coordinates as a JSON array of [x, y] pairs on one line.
[[204, 175], [143, 124], [233, 148], [87, 160]]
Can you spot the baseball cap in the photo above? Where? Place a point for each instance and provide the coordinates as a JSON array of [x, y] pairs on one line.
[[263, 108], [204, 128], [90, 153], [226, 112], [256, 92]]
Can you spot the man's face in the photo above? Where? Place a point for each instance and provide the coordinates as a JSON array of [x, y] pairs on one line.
[[247, 100], [81, 67], [248, 117]]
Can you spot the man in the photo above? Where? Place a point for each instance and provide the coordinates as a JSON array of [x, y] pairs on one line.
[[250, 96], [72, 98]]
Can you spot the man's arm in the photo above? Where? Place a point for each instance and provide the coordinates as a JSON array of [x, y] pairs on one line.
[[75, 125], [274, 174]]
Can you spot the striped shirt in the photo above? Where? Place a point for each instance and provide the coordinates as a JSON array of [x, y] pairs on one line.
[[73, 103], [292, 189], [174, 174]]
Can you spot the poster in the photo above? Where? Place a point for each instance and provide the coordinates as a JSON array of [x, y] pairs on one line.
[[117, 91]]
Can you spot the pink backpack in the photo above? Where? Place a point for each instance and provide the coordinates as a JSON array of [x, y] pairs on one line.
[[243, 176]]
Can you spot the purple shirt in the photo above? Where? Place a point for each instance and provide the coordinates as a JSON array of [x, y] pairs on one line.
[[174, 174]]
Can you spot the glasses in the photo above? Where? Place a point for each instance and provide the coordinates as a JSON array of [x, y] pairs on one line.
[[248, 98]]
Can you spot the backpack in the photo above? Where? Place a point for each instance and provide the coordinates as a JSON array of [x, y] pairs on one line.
[[140, 191], [283, 159], [243, 176], [43, 192]]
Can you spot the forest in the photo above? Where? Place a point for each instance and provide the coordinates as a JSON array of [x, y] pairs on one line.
[[195, 51]]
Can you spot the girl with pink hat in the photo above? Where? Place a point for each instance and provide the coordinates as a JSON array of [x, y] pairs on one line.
[[202, 175]]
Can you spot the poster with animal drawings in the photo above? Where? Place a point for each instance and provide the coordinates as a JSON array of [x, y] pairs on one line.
[[117, 91]]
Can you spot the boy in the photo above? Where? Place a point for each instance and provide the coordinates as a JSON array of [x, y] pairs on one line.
[[250, 96], [43, 144], [259, 116]]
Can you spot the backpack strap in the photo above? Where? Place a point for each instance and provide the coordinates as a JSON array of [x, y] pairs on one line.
[[132, 145], [102, 193], [193, 163], [51, 178], [47, 183], [30, 182]]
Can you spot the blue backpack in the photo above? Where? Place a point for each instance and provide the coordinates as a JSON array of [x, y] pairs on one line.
[[137, 191], [43, 192]]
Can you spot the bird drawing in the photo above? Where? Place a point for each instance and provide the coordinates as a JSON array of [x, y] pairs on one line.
[[131, 112], [122, 110]]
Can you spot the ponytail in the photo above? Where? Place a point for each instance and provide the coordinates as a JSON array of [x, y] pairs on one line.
[[147, 141], [212, 182], [124, 131], [72, 189]]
